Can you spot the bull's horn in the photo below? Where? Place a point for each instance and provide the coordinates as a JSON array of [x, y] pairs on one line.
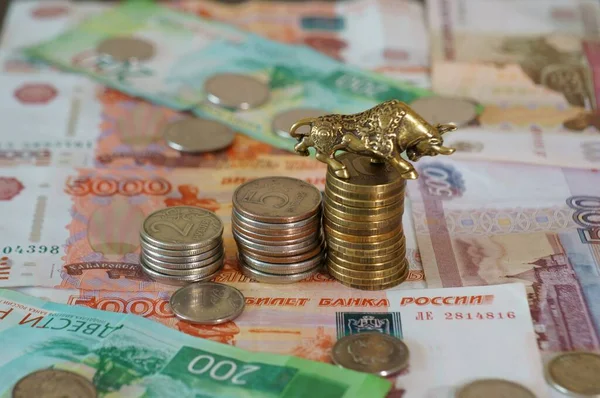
[[442, 150], [300, 123], [445, 128]]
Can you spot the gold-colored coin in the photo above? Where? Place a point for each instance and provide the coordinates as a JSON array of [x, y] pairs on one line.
[[381, 247], [366, 176], [340, 198], [361, 228], [392, 196], [364, 274], [332, 231], [365, 281], [352, 214], [342, 261], [400, 252], [378, 286]]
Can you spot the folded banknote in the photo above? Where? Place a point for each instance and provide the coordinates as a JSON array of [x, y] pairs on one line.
[[127, 355], [178, 52]]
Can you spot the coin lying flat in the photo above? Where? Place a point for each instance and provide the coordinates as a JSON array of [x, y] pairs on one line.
[[575, 373], [266, 277], [277, 199], [197, 135], [494, 388], [182, 228], [366, 178], [54, 383], [207, 303], [123, 49], [439, 110], [284, 120], [235, 91], [371, 352]]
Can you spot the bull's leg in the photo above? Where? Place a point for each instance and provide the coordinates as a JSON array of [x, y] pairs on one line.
[[338, 168], [301, 148], [405, 169]]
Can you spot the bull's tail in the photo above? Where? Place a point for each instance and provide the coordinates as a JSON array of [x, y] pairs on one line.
[[300, 123]]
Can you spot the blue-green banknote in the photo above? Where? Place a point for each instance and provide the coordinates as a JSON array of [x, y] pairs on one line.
[[182, 51], [127, 355]]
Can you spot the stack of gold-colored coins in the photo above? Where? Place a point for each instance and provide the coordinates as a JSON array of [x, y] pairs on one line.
[[276, 223], [181, 245], [366, 247]]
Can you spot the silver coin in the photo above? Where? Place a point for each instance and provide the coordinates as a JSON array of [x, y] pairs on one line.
[[284, 120], [182, 228], [195, 135], [575, 373], [265, 277], [269, 241], [440, 110], [54, 383], [207, 303], [236, 91], [147, 246], [371, 352], [282, 259], [282, 269], [494, 388], [205, 267], [278, 251], [276, 228], [279, 235], [175, 280], [183, 260], [123, 49]]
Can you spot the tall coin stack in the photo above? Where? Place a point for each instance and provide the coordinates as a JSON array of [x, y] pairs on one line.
[[181, 245], [276, 223], [366, 247]]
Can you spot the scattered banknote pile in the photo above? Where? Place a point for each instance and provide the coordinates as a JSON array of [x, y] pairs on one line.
[[181, 244], [362, 219], [276, 223]]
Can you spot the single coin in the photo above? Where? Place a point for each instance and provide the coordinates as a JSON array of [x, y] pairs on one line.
[[361, 228], [267, 228], [341, 197], [298, 242], [182, 261], [197, 135], [361, 239], [277, 200], [377, 262], [281, 250], [371, 352], [235, 91], [54, 383], [207, 267], [575, 373], [123, 49], [269, 236], [377, 286], [282, 269], [366, 176], [351, 214], [441, 110], [386, 211], [337, 264], [494, 388], [343, 248], [363, 279], [284, 120], [389, 196], [182, 228], [175, 280], [207, 303], [147, 246], [264, 277], [363, 274], [282, 260]]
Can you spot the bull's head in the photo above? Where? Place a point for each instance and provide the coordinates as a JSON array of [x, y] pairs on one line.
[[431, 144]]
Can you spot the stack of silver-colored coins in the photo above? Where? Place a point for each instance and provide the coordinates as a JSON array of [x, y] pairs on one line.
[[181, 245], [276, 223]]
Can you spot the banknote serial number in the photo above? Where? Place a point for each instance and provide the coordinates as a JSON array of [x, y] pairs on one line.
[[472, 316], [30, 249]]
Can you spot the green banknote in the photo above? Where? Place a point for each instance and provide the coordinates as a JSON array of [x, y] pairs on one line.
[[127, 355], [182, 51]]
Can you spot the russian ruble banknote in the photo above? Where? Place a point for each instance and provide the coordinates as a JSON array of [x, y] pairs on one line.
[[492, 223], [79, 228], [126, 355], [535, 59], [188, 50], [302, 323]]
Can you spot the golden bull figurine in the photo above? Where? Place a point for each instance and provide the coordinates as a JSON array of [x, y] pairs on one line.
[[382, 132]]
